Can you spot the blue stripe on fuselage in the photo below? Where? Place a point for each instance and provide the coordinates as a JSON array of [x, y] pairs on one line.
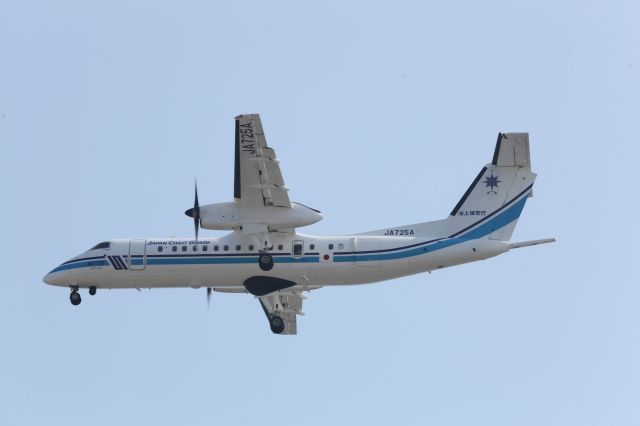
[[498, 221], [225, 260], [80, 264]]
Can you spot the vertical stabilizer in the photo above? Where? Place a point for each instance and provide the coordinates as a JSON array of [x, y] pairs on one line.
[[492, 204]]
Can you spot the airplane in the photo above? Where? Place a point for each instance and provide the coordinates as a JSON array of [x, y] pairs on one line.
[[265, 256]]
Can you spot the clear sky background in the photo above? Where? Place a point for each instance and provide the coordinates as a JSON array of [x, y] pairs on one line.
[[381, 115]]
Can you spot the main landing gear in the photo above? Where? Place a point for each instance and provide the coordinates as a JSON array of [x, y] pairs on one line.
[[265, 260], [92, 290], [277, 324]]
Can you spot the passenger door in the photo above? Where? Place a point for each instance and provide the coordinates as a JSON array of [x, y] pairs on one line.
[[137, 254], [297, 249]]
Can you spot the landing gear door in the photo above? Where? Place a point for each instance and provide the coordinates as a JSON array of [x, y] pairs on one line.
[[137, 254]]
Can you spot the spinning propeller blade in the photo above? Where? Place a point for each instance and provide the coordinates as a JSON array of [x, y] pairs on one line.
[[195, 213]]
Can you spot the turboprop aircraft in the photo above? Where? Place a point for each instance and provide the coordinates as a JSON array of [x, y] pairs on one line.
[[265, 256]]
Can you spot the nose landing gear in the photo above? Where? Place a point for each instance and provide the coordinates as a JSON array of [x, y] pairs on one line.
[[75, 298]]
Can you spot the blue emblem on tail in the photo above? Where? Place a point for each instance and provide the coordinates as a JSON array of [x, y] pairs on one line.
[[492, 182]]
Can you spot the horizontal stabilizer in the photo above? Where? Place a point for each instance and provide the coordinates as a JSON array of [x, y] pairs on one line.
[[532, 243]]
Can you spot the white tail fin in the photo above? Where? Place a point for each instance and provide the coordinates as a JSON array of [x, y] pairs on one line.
[[496, 197], [492, 205]]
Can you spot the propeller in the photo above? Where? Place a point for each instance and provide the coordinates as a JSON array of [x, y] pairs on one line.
[[195, 212], [209, 290]]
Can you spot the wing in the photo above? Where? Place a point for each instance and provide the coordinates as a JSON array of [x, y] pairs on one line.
[[284, 305], [257, 180]]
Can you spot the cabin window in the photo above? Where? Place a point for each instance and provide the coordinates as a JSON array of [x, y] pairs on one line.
[[250, 247], [174, 248], [205, 248], [225, 248], [312, 246], [195, 248], [216, 248], [298, 248], [184, 248], [238, 247], [159, 249], [330, 246], [280, 247], [340, 246]]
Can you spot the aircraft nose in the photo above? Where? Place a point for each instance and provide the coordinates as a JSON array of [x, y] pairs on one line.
[[52, 278], [48, 279]]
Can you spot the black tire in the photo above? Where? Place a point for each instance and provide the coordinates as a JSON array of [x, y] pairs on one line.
[[75, 298], [92, 290], [265, 260], [277, 324]]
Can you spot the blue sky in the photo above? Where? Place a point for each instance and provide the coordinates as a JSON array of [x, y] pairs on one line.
[[381, 115]]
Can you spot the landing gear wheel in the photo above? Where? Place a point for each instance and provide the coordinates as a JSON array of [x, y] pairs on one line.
[[75, 298], [265, 260], [92, 290], [277, 324]]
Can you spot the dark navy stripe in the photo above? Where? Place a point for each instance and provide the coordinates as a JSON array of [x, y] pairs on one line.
[[496, 152], [389, 249], [457, 233], [78, 265], [113, 263], [466, 194], [483, 227], [492, 214], [178, 254], [498, 222], [119, 259], [188, 254], [452, 236], [236, 260], [84, 258]]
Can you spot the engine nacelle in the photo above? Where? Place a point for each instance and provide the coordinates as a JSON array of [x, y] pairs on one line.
[[223, 216]]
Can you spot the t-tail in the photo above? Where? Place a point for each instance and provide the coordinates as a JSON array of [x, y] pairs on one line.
[[493, 203]]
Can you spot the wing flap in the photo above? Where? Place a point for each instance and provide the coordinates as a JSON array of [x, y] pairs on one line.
[[258, 180]]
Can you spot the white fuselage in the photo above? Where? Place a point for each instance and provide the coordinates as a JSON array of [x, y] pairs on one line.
[[226, 263]]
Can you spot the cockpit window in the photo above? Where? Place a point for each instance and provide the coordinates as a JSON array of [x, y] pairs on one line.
[[104, 245]]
